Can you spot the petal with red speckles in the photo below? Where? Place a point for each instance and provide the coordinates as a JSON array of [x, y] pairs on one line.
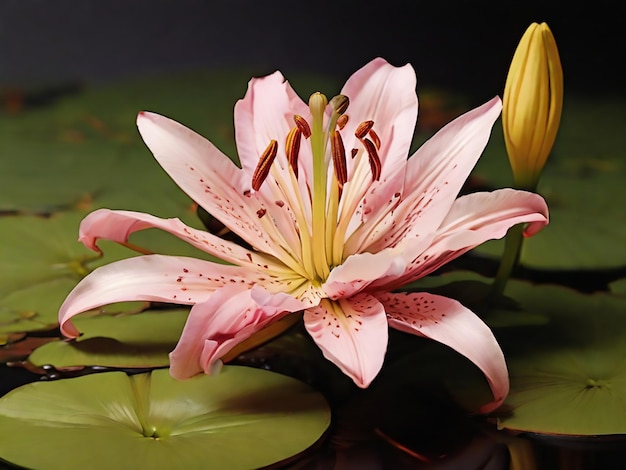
[[474, 219], [448, 322], [352, 333], [207, 175], [434, 176], [156, 278], [118, 226], [229, 316]]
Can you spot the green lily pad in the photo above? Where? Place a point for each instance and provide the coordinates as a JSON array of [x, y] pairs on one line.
[[34, 308], [584, 174], [240, 418], [565, 352], [45, 262], [125, 341], [567, 377], [86, 152], [19, 350]]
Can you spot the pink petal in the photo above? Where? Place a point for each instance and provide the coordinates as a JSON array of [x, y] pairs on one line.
[[358, 271], [205, 174], [352, 333], [265, 113], [386, 95], [119, 225], [474, 219], [228, 317], [434, 177], [448, 322], [154, 278]]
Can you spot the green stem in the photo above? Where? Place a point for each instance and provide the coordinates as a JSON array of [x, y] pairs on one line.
[[510, 258]]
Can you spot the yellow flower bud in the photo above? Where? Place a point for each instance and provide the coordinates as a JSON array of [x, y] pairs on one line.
[[532, 104]]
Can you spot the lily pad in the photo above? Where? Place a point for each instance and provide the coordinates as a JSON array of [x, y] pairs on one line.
[[19, 350], [124, 341], [240, 418], [45, 262], [34, 308], [565, 351], [86, 152], [584, 174], [567, 377]]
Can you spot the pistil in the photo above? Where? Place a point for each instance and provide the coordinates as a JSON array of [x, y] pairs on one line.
[[317, 105]]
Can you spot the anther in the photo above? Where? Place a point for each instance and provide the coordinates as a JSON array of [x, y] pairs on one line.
[[363, 128], [339, 158], [302, 125], [374, 159], [263, 167], [374, 136], [342, 121], [292, 148], [340, 103]]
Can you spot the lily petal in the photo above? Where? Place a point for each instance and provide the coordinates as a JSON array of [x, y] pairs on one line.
[[434, 176], [118, 226], [474, 219], [228, 317], [156, 278], [352, 333], [360, 270], [448, 322], [265, 113], [207, 175], [386, 95]]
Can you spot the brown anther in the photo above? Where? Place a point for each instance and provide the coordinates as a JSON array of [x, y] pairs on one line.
[[340, 103], [353, 153], [372, 153], [374, 136], [261, 212], [264, 165], [363, 128], [302, 125], [342, 121], [339, 158], [292, 148]]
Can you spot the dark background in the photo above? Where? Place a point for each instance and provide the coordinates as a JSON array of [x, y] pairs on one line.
[[465, 45]]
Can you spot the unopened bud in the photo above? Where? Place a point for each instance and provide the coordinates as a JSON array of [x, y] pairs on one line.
[[532, 104]]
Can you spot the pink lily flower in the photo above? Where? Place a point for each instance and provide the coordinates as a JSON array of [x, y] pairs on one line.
[[337, 217]]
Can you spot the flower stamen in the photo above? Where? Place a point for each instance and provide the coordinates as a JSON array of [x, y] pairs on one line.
[[374, 159], [371, 146], [302, 125], [339, 159], [292, 148], [362, 129], [342, 121], [374, 136], [264, 165]]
